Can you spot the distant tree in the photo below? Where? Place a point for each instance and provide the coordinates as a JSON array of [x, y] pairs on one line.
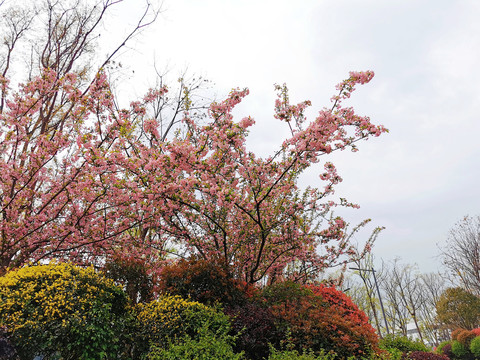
[[397, 314], [407, 282], [433, 285], [459, 308], [411, 297], [364, 264], [461, 253]]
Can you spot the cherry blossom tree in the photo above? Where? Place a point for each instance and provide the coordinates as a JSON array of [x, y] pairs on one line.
[[247, 211], [57, 129], [81, 178]]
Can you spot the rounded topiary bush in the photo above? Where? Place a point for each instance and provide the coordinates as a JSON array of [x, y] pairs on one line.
[[171, 317], [402, 343], [475, 347], [458, 349], [62, 309]]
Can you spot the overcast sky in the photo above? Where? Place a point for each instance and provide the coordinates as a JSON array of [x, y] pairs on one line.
[[418, 180]]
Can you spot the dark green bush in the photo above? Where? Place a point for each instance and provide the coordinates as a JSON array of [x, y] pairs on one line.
[[475, 347], [402, 343], [7, 350], [133, 275], [459, 350]]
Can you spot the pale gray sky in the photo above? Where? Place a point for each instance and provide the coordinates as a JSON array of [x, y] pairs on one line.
[[419, 179]]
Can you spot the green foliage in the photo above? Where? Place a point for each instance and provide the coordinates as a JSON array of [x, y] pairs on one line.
[[459, 350], [206, 346], [283, 292], [401, 343], [171, 317], [393, 353], [62, 309], [305, 355], [475, 347]]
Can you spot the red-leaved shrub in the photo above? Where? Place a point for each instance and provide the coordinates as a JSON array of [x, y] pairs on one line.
[[465, 337], [476, 331], [447, 351], [254, 326], [203, 281], [133, 274], [321, 317], [455, 333]]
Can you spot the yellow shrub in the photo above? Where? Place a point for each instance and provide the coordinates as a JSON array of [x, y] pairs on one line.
[[172, 317], [60, 308]]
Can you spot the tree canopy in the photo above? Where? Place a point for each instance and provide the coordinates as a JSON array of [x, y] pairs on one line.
[[86, 180]]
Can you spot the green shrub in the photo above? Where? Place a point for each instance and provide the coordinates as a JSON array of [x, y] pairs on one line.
[[295, 355], [458, 349], [394, 353], [206, 346], [64, 310], [170, 317], [475, 347], [402, 343]]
